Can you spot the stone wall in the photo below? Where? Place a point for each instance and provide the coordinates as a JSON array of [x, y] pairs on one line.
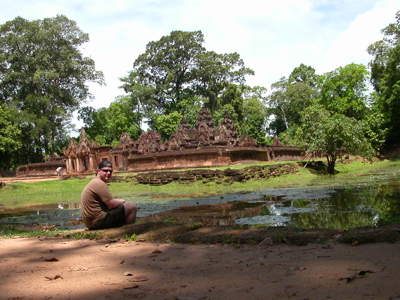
[[226, 176], [211, 157], [47, 168], [200, 146]]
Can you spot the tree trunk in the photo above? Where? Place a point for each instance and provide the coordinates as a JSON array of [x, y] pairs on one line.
[[331, 165]]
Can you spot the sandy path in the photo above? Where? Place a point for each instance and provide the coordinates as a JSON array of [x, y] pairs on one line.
[[130, 270]]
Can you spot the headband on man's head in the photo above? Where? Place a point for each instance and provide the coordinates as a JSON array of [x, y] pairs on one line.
[[104, 164]]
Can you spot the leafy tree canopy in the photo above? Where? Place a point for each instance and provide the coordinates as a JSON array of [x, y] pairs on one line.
[[344, 90], [177, 70], [385, 77], [332, 135], [105, 125], [10, 136], [43, 77], [290, 96]]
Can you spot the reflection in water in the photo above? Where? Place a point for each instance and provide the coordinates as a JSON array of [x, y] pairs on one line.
[[62, 215], [340, 208]]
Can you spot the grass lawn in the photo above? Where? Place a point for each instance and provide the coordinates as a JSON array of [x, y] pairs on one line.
[[19, 194]]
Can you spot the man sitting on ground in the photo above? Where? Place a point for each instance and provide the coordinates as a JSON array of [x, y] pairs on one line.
[[100, 209]]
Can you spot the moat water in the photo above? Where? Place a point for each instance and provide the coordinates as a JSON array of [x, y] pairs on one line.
[[368, 200]]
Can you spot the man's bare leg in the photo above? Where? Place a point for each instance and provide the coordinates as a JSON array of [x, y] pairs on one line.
[[130, 212]]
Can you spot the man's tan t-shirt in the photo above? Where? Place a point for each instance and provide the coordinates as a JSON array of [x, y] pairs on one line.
[[93, 202]]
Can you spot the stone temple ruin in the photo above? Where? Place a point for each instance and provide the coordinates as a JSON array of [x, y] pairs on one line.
[[200, 146]]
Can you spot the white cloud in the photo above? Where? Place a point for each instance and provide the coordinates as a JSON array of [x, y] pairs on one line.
[[351, 44]]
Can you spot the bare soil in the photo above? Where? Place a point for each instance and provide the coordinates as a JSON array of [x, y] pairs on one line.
[[115, 268]]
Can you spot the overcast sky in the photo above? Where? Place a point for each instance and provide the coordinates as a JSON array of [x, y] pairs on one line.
[[272, 37]]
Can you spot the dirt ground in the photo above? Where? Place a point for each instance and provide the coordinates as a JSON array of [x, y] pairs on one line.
[[60, 268]]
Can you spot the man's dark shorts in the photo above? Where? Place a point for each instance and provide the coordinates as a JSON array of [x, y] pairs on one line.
[[115, 218]]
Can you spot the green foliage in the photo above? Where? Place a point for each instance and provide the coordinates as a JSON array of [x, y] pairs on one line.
[[375, 130], [105, 125], [10, 137], [43, 77], [131, 238], [254, 116], [168, 66], [167, 124], [344, 90], [176, 73], [289, 97], [331, 135], [385, 77], [304, 74], [218, 77]]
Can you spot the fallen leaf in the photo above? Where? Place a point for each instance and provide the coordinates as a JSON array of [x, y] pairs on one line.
[[54, 277], [359, 274], [351, 278], [51, 259], [131, 287]]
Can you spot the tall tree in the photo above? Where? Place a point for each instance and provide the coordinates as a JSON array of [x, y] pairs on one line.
[[43, 75], [288, 98], [215, 73], [177, 70], [385, 77], [167, 66], [304, 74]]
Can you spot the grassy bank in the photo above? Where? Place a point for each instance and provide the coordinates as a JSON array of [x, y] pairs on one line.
[[19, 194]]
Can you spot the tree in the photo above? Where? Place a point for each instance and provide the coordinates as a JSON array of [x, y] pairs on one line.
[[344, 90], [255, 113], [332, 135], [167, 67], [10, 137], [105, 125], [121, 117], [167, 124], [177, 70], [216, 73], [304, 74], [374, 129], [385, 77], [287, 101], [43, 76]]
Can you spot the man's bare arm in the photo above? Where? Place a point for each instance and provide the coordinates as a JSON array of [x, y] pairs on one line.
[[114, 203]]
